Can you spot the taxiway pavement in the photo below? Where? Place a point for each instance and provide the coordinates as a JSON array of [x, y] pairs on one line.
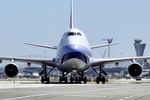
[[124, 91]]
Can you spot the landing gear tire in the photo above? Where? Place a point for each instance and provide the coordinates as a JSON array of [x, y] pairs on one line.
[[76, 79], [45, 80], [60, 79], [103, 79], [85, 80], [65, 79], [80, 79], [97, 80], [42, 80], [71, 80]]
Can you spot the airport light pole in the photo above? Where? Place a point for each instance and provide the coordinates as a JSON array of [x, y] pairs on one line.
[[109, 41]]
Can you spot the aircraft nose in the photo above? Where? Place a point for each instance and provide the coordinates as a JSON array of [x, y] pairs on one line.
[[74, 47], [74, 64]]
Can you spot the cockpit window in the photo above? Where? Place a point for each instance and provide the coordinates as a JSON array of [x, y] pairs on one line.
[[79, 33], [71, 34]]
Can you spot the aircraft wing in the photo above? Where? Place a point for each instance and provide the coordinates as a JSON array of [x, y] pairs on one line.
[[103, 45], [40, 61], [97, 62], [42, 46]]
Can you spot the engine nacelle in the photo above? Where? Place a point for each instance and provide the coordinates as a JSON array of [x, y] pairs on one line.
[[135, 70], [11, 70]]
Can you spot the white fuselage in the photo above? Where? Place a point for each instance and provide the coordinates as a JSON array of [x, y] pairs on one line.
[[73, 52]]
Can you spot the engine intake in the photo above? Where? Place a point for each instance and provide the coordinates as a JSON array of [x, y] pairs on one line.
[[135, 70], [11, 70]]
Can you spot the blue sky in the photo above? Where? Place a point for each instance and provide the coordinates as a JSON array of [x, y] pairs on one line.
[[45, 21]]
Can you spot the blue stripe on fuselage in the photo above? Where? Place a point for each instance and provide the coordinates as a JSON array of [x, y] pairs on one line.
[[71, 50], [77, 55]]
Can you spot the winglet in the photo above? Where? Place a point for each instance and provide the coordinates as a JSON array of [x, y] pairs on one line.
[[71, 14]]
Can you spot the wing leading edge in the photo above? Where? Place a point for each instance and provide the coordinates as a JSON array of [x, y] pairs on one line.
[[40, 61], [42, 46], [97, 62], [104, 45]]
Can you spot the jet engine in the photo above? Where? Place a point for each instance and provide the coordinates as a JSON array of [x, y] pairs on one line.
[[135, 70], [11, 70]]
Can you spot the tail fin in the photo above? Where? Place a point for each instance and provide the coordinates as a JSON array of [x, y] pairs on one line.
[[71, 14]]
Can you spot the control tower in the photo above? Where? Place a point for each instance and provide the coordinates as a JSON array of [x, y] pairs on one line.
[[139, 48]]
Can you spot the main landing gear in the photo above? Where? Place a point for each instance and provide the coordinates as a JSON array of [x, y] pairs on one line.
[[74, 78], [44, 75], [101, 75], [77, 78]]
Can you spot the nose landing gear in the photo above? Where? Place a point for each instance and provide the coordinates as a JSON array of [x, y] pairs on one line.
[[74, 78]]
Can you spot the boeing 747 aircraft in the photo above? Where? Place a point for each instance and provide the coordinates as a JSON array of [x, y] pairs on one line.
[[73, 58]]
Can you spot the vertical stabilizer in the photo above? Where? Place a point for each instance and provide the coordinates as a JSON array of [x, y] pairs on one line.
[[71, 14]]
